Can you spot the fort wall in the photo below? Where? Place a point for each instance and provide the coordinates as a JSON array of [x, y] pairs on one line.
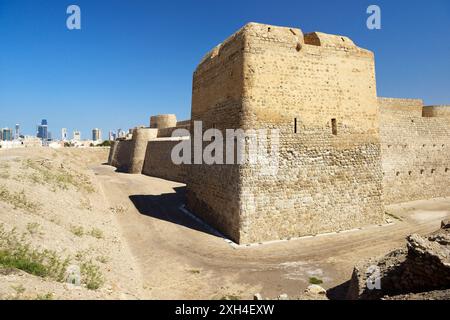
[[343, 153], [320, 92], [158, 162], [130, 155], [140, 139], [163, 121], [213, 191], [121, 155], [415, 150]]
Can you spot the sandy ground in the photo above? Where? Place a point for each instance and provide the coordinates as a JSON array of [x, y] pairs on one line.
[[54, 201], [150, 249], [180, 259]]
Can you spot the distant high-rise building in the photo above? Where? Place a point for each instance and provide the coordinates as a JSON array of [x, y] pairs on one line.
[[42, 131], [7, 134], [64, 134], [17, 132], [77, 135], [111, 136], [96, 134]]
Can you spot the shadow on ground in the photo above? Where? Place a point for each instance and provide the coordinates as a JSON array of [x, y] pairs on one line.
[[339, 292], [166, 207]]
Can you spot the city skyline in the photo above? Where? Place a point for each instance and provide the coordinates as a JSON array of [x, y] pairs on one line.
[[42, 131]]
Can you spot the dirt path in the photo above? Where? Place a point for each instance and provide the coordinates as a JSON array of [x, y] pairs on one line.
[[179, 259]]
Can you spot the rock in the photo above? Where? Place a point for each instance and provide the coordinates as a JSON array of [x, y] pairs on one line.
[[445, 224], [257, 297], [423, 266], [316, 290], [283, 296]]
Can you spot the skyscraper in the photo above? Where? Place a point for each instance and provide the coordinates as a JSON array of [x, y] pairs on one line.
[[42, 131], [17, 132], [7, 134], [96, 134], [64, 134], [77, 135]]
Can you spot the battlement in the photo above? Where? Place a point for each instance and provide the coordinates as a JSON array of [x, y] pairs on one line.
[[290, 38], [441, 111]]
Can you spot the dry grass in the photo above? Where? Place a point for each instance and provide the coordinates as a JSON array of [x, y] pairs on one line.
[[45, 172], [18, 200], [17, 253]]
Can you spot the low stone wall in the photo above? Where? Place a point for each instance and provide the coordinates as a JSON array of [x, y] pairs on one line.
[[158, 162], [129, 155], [120, 155]]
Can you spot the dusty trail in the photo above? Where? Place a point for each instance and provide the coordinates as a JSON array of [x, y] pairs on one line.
[[179, 259]]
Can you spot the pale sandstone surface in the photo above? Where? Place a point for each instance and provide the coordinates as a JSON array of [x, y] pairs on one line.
[[53, 199], [419, 270], [181, 259], [155, 251], [344, 153]]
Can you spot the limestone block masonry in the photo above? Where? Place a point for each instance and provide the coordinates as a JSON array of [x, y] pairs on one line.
[[415, 150], [343, 152], [319, 90], [158, 162]]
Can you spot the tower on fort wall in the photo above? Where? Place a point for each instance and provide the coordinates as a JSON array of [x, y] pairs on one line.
[[319, 91]]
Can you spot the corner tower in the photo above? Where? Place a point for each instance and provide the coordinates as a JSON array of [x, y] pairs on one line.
[[319, 91]]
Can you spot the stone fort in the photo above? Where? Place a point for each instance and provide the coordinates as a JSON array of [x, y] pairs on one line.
[[344, 153]]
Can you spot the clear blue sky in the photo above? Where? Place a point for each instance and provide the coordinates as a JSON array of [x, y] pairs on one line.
[[135, 58]]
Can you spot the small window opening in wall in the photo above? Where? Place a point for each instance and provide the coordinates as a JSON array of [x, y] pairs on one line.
[[423, 145], [409, 172], [295, 125], [334, 127], [397, 174], [422, 171], [433, 171], [268, 29], [446, 169]]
